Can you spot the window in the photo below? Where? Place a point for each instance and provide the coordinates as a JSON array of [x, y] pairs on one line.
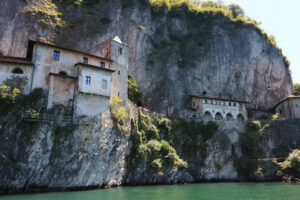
[[102, 64], [229, 103], [56, 55], [63, 73], [120, 51], [194, 105], [119, 72], [118, 94], [206, 101], [17, 71], [87, 80], [234, 104], [104, 84], [85, 60]]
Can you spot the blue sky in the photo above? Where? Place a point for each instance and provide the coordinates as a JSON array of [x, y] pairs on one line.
[[280, 18]]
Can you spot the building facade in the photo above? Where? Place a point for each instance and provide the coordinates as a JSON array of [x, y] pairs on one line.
[[72, 78], [289, 107], [214, 108]]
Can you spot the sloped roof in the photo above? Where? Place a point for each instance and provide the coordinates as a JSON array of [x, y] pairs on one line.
[[15, 60]]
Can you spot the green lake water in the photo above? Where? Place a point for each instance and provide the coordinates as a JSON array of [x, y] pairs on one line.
[[214, 191]]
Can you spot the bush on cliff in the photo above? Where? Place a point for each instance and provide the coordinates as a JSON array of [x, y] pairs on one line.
[[119, 113], [133, 91], [154, 140], [254, 131], [149, 144], [293, 161]]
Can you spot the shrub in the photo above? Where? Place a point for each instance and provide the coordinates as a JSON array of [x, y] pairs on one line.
[[118, 112], [157, 163], [148, 143], [254, 131], [8, 94], [133, 92], [218, 166], [16, 82], [293, 161]]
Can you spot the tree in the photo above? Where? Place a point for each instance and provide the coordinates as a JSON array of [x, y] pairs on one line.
[[297, 87], [236, 10], [133, 92]]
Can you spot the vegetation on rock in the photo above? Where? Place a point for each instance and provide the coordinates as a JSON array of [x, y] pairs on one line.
[[133, 91], [149, 143], [118, 113], [155, 140], [254, 131], [293, 161], [16, 82]]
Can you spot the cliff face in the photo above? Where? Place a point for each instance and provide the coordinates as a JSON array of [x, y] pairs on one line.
[[46, 155], [171, 56]]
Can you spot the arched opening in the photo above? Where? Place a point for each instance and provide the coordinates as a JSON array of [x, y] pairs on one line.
[[229, 117], [207, 116], [218, 116], [240, 117], [63, 73], [17, 71]]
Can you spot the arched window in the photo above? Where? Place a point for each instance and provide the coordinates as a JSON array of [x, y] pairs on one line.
[[17, 71], [207, 116], [64, 74], [218, 116], [229, 117], [240, 117]]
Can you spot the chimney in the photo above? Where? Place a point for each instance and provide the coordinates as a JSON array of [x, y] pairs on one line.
[[204, 93], [221, 95], [230, 97]]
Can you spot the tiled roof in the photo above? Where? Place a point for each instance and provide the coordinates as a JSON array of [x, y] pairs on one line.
[[15, 60]]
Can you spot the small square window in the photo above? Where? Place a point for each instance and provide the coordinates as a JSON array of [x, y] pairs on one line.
[[87, 80], [56, 55], [63, 79], [85, 60], [104, 84], [102, 64]]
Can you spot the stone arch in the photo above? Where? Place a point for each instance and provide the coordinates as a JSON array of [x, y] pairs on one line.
[[240, 117], [229, 117], [218, 116], [207, 115], [17, 71]]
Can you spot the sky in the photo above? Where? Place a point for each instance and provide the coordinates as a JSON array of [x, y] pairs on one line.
[[280, 18]]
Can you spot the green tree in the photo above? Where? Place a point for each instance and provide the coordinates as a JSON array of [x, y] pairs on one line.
[[119, 113], [236, 10], [16, 82], [133, 92], [297, 87]]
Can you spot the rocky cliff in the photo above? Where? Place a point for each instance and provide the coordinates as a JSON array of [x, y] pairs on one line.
[[45, 156], [172, 53]]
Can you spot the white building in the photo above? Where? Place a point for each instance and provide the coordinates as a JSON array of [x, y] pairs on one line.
[[215, 108]]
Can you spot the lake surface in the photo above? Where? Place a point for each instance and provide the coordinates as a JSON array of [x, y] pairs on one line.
[[214, 191]]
